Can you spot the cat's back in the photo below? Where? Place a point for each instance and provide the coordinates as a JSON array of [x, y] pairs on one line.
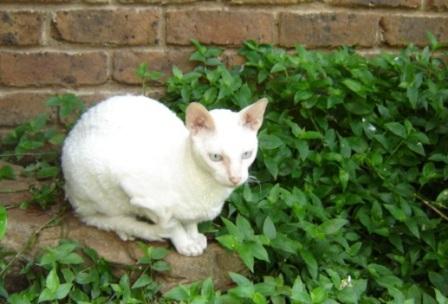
[[125, 127], [121, 114]]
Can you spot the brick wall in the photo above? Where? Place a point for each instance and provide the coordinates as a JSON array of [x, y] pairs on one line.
[[92, 47]]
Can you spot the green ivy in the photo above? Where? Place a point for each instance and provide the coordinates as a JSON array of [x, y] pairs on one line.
[[348, 200], [350, 204], [37, 145], [69, 273]]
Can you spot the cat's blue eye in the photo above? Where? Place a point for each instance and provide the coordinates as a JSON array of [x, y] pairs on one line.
[[215, 157], [246, 155]]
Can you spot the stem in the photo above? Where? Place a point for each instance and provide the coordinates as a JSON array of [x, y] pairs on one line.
[[395, 150], [12, 191], [28, 154], [432, 207], [30, 240]]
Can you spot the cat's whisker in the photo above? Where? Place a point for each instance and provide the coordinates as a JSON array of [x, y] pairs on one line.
[[253, 180]]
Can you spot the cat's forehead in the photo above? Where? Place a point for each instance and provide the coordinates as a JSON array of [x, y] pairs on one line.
[[224, 119], [229, 133]]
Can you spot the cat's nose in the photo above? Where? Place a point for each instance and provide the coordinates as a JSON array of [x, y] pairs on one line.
[[235, 179]]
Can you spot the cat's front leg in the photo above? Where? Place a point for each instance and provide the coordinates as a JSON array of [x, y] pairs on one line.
[[192, 230], [184, 242]]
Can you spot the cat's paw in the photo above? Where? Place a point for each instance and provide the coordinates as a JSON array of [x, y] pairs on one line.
[[189, 248], [125, 237], [201, 240]]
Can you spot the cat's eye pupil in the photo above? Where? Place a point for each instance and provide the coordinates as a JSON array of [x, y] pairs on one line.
[[246, 155], [215, 157]]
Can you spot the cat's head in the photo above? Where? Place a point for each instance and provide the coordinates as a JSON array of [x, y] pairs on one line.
[[225, 143]]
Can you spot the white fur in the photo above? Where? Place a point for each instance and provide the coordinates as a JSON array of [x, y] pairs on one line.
[[130, 157]]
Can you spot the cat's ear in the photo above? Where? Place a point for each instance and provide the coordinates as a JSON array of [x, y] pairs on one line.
[[198, 119], [252, 116]]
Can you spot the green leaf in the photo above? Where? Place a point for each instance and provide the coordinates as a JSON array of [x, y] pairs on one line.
[[244, 227], [3, 221], [278, 67], [310, 262], [142, 281], [179, 293], [228, 241], [396, 128], [333, 226], [7, 172], [441, 299], [435, 45], [63, 290], [269, 142], [302, 95], [158, 253], [177, 72], [246, 255], [207, 289], [71, 258], [161, 266], [318, 295], [417, 147], [304, 150], [52, 281], [396, 212], [258, 251], [354, 85], [239, 279], [299, 293], [269, 228], [47, 295], [344, 177], [412, 94]]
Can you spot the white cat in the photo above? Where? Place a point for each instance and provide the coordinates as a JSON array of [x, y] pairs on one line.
[[130, 158]]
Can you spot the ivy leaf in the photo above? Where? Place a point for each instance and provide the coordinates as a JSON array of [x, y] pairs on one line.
[[396, 128], [161, 266], [179, 293], [142, 281], [3, 221], [7, 172], [299, 293], [354, 86], [269, 142], [52, 281], [344, 177], [63, 290], [246, 255], [158, 253], [310, 262], [333, 226], [269, 228]]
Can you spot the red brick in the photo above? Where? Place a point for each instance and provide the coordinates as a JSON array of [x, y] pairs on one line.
[[400, 30], [36, 1], [438, 4], [218, 27], [328, 29], [273, 2], [97, 1], [156, 1], [52, 68], [17, 108], [20, 28], [126, 62], [232, 58], [108, 27], [377, 3]]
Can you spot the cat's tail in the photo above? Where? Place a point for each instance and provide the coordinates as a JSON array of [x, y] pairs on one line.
[[127, 227]]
